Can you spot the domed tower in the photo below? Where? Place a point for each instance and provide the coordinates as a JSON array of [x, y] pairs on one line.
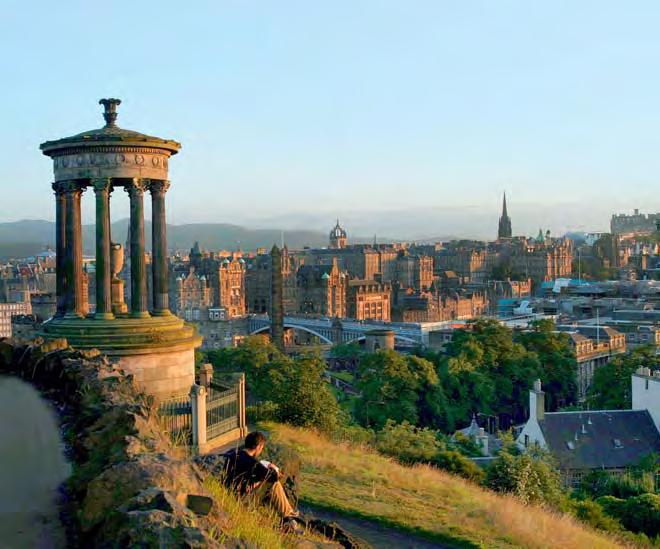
[[337, 237], [154, 345]]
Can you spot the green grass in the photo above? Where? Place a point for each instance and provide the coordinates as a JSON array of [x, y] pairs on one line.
[[343, 376], [256, 525], [359, 482]]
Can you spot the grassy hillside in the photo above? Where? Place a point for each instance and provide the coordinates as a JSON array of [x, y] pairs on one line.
[[425, 500]]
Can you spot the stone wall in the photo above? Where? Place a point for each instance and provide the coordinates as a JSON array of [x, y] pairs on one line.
[[129, 486]]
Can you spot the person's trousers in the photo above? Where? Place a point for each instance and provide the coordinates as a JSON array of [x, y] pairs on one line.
[[274, 493]]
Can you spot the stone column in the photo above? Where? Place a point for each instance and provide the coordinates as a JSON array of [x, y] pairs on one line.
[[205, 375], [73, 262], [60, 247], [159, 270], [102, 188], [135, 190], [276, 303]]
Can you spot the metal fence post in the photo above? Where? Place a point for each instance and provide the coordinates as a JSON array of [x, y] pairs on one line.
[[198, 401], [241, 406]]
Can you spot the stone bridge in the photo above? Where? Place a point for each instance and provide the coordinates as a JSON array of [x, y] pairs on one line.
[[333, 330]]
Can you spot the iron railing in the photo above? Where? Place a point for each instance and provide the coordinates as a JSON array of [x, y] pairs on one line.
[[222, 410], [176, 414]]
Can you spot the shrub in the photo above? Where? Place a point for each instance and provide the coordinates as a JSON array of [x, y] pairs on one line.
[[465, 445], [355, 434], [642, 514], [456, 463], [530, 478], [629, 484], [593, 514], [612, 506], [262, 411], [407, 443]]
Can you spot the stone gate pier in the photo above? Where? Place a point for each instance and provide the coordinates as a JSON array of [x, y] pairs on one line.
[[154, 345]]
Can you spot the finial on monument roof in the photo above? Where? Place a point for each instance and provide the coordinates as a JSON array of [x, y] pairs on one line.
[[110, 114]]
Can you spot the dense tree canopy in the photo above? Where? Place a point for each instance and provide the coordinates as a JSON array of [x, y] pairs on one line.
[[610, 388], [398, 387], [489, 370], [295, 385]]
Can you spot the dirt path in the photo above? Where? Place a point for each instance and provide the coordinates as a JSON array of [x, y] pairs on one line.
[[33, 466], [376, 535]]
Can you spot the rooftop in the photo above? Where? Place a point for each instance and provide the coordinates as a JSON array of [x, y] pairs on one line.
[[600, 439], [110, 134]]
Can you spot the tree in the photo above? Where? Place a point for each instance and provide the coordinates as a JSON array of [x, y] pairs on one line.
[[557, 358], [397, 387], [456, 463], [294, 385], [251, 357], [610, 388], [347, 351], [407, 443], [301, 394]]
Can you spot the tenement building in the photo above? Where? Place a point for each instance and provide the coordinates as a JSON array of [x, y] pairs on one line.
[[369, 300], [258, 282], [437, 306], [151, 343], [192, 296], [321, 290]]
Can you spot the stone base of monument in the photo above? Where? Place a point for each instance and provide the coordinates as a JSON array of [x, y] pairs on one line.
[[158, 351]]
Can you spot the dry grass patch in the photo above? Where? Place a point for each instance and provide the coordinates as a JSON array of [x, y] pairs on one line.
[[426, 500]]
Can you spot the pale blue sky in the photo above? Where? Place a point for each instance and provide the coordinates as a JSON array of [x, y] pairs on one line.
[[355, 109]]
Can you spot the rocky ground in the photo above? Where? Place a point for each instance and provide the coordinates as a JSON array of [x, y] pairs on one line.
[[129, 486]]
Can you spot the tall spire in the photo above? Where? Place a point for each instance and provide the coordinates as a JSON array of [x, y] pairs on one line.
[[504, 229]]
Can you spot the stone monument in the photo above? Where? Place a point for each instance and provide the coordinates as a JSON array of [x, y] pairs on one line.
[[155, 346]]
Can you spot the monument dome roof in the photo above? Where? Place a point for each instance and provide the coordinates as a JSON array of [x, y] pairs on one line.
[[110, 134]]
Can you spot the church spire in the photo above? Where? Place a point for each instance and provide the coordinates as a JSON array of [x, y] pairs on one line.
[[504, 229]]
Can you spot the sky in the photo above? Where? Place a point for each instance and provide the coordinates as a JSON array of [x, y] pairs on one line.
[[405, 119]]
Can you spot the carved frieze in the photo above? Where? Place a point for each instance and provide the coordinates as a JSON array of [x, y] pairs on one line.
[[111, 164]]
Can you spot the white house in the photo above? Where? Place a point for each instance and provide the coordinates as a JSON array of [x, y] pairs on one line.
[[611, 440]]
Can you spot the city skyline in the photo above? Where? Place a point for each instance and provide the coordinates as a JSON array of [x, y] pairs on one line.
[[409, 123]]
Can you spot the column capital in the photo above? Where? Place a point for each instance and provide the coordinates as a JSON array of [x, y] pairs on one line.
[[101, 184], [61, 187], [159, 186], [72, 186], [58, 187], [136, 186]]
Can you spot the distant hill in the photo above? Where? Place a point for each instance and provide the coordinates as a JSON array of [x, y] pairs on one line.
[[27, 237]]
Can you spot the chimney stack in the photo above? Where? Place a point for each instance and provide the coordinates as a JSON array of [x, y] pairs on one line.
[[482, 439], [537, 402]]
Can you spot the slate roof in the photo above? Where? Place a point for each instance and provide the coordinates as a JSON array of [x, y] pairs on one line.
[[611, 438]]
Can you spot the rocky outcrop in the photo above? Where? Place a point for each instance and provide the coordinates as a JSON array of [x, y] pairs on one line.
[[129, 486]]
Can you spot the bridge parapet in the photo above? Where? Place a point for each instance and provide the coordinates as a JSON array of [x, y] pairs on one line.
[[349, 330]]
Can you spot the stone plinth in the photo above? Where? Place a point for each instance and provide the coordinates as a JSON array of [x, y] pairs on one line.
[[158, 351], [379, 339]]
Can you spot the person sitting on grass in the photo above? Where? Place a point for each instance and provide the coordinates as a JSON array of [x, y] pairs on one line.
[[260, 480]]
